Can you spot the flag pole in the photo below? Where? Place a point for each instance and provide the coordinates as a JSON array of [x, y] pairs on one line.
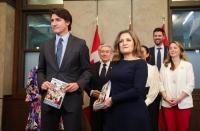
[[97, 13], [130, 17], [96, 41]]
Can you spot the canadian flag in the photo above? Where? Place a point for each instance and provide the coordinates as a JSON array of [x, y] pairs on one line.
[[165, 36], [94, 52]]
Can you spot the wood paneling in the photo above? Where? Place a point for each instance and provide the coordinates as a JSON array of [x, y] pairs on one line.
[[195, 118], [15, 112]]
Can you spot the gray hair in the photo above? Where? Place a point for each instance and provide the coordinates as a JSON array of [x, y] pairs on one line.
[[105, 45]]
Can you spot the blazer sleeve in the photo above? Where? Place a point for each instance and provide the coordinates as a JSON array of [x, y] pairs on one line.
[[41, 72], [139, 82], [162, 78], [189, 79], [154, 85], [88, 88], [84, 78]]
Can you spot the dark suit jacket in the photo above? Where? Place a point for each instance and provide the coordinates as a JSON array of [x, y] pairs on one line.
[[96, 83], [74, 68], [152, 54]]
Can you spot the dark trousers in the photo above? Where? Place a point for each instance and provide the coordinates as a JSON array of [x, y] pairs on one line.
[[153, 109], [97, 120], [50, 119]]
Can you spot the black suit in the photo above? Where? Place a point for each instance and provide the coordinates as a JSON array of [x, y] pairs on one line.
[[154, 107], [74, 68], [152, 55], [96, 83]]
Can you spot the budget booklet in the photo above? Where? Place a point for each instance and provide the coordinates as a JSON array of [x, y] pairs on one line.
[[105, 93], [56, 94]]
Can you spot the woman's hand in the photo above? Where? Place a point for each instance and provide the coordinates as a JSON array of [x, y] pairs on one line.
[[108, 102], [171, 101]]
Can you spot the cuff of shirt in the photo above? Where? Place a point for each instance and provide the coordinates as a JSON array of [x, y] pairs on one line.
[[91, 92]]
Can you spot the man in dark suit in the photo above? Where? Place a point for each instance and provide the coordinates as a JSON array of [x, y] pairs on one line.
[[66, 58], [100, 75], [158, 54], [158, 38]]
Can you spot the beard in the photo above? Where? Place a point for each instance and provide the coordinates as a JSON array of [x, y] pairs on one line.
[[158, 42]]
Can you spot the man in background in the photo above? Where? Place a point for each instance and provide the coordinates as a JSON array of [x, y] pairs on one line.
[[158, 54], [100, 75]]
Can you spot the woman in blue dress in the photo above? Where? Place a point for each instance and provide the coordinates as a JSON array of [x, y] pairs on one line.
[[125, 109]]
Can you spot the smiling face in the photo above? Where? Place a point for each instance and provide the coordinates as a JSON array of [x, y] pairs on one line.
[[174, 50], [126, 44], [158, 38], [105, 53], [59, 25]]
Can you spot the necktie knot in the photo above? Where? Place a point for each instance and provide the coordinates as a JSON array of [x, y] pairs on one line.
[[60, 42], [159, 48], [104, 65]]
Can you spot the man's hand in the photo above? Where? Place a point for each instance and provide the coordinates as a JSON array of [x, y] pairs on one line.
[[72, 87], [95, 93], [46, 85]]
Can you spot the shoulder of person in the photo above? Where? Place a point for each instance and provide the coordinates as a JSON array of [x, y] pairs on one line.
[[186, 63], [48, 42], [96, 64], [141, 61], [151, 48], [114, 62], [152, 66], [77, 38]]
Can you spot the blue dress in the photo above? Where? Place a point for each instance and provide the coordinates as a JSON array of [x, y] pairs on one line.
[[129, 111]]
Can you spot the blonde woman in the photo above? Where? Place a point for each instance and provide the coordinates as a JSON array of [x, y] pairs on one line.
[[177, 78]]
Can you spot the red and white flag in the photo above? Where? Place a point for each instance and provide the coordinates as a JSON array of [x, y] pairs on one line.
[[94, 52], [165, 36]]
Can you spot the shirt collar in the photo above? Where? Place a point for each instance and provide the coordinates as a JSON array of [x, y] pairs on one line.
[[107, 63], [162, 46], [64, 37]]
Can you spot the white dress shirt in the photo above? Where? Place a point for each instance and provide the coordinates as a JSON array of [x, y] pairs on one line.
[[153, 81], [174, 83], [101, 66]]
